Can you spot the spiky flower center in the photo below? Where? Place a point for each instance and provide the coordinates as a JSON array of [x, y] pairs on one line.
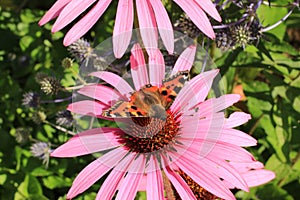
[[146, 135], [199, 192]]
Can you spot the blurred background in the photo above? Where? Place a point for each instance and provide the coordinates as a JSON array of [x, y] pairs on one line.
[[257, 59]]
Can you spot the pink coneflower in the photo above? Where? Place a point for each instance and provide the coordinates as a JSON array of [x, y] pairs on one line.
[[151, 16], [190, 151]]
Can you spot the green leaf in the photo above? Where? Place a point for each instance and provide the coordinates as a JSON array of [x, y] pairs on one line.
[[270, 15], [52, 182], [273, 192], [30, 187]]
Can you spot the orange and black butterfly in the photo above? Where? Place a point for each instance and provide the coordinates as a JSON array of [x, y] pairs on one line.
[[149, 101]]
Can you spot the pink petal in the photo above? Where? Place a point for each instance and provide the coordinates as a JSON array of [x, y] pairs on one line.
[[129, 185], [203, 177], [70, 12], [196, 14], [123, 27], [94, 171], [237, 137], [209, 8], [116, 81], [229, 152], [54, 11], [243, 167], [191, 88], [185, 60], [102, 93], [237, 119], [110, 185], [219, 167], [87, 142], [217, 150], [85, 24], [217, 104], [180, 185], [147, 25], [155, 186], [156, 68], [258, 177], [138, 67], [87, 107], [205, 132], [165, 27]]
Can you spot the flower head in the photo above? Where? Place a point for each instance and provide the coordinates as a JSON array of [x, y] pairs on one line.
[[42, 151], [31, 99], [65, 118], [152, 18], [171, 140]]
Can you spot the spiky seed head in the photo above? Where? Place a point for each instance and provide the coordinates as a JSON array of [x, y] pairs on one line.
[[22, 135], [39, 117], [185, 25], [65, 118], [42, 151], [31, 99], [241, 35], [81, 49], [224, 40], [67, 63], [50, 85]]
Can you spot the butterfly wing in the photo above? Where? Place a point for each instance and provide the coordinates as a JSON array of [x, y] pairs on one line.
[[172, 86], [124, 109], [176, 81], [120, 109]]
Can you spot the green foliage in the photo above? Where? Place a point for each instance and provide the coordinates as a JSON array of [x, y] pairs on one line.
[[268, 71]]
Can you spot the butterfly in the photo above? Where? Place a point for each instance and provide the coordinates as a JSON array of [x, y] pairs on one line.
[[149, 101]]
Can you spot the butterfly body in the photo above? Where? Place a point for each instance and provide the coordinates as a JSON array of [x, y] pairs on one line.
[[149, 101]]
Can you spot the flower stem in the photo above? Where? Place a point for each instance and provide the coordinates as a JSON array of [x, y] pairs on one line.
[[57, 100], [60, 128], [279, 22], [168, 187]]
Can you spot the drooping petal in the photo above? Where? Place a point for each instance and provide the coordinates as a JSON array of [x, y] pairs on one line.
[[185, 60], [217, 149], [101, 93], [209, 8], [138, 67], [116, 81], [243, 167], [164, 25], [94, 171], [197, 15], [123, 27], [132, 179], [258, 177], [110, 185], [85, 24], [204, 177], [54, 11], [191, 88], [217, 104], [180, 185], [209, 128], [237, 137], [219, 167], [237, 119], [155, 189], [147, 25], [70, 12], [87, 107], [228, 152], [87, 142], [156, 68]]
